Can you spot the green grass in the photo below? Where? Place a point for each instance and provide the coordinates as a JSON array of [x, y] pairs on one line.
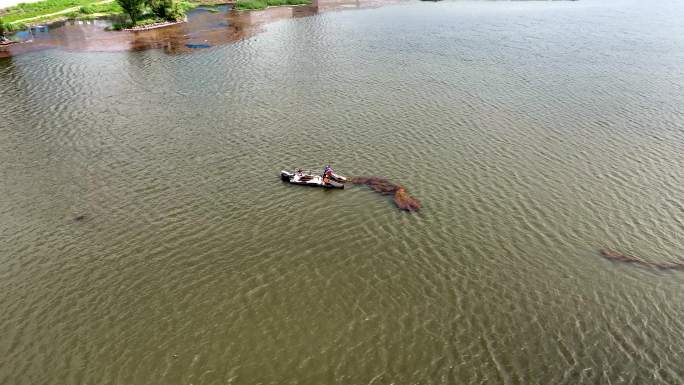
[[146, 19], [86, 10], [186, 5], [261, 4], [11, 27], [112, 8], [29, 10]]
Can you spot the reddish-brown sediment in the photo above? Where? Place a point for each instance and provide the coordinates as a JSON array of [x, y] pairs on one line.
[[626, 258], [201, 28], [383, 186]]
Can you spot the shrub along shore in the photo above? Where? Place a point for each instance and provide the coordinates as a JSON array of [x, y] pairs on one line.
[[261, 4]]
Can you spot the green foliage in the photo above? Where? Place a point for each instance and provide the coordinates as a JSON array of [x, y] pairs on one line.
[[134, 8], [112, 8], [117, 26], [170, 10], [185, 6], [146, 19], [160, 7], [87, 9], [251, 4], [12, 27], [3, 29], [261, 4], [174, 13], [30, 10]]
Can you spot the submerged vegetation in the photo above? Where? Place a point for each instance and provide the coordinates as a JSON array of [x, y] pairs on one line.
[[261, 4]]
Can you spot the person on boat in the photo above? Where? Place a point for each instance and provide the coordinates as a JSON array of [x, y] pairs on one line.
[[327, 174]]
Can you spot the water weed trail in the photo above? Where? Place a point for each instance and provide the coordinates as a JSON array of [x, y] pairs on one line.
[[401, 198], [620, 257]]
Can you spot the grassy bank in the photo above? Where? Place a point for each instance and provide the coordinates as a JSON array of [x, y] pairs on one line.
[[261, 4], [30, 10], [21, 16]]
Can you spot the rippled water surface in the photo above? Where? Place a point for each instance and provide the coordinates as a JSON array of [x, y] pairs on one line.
[[534, 133]]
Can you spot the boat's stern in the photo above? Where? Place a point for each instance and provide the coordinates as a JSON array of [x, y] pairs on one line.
[[339, 178]]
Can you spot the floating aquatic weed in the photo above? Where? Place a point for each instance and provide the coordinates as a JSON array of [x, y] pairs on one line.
[[401, 198], [621, 257]]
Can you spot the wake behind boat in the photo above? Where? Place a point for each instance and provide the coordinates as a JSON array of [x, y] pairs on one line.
[[309, 179]]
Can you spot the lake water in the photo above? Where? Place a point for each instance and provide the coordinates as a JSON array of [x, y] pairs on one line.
[[534, 134]]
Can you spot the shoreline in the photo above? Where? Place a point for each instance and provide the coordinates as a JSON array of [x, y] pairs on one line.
[[154, 26], [271, 7], [203, 27], [31, 19]]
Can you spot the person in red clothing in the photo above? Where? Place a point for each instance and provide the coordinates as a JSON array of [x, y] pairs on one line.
[[327, 174]]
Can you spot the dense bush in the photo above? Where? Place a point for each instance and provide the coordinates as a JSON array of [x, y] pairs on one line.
[[134, 8], [87, 9], [170, 10]]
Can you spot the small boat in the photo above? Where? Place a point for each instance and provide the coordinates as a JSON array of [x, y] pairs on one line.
[[308, 179]]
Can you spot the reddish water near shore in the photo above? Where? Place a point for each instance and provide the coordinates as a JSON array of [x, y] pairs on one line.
[[203, 29]]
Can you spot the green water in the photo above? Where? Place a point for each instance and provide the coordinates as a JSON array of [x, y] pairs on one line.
[[534, 134]]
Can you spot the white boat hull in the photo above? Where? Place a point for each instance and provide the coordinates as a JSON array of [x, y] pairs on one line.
[[305, 179]]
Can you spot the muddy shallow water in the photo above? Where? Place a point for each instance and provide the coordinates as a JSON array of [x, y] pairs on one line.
[[146, 238]]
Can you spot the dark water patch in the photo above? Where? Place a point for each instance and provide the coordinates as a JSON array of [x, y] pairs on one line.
[[198, 46]]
